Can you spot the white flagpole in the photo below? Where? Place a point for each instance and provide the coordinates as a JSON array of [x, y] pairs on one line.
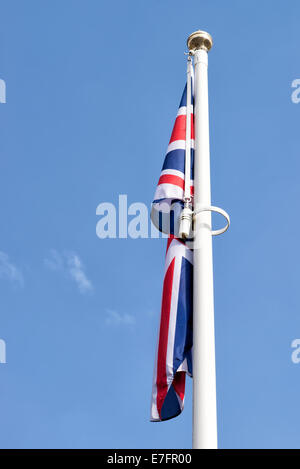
[[204, 374]]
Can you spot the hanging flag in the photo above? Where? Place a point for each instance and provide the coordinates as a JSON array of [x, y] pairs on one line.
[[174, 349], [169, 195]]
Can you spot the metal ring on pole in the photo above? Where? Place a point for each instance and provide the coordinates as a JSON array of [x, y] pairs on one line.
[[211, 208]]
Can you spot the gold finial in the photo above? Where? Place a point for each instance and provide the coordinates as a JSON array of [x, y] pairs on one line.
[[199, 40]]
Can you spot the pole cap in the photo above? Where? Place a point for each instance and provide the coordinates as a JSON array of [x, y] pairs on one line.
[[199, 40]]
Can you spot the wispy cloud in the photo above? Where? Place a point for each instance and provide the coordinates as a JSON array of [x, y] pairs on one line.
[[77, 273], [9, 271], [70, 264], [113, 318]]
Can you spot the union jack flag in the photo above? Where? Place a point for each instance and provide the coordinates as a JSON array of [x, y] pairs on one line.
[[175, 339], [169, 193]]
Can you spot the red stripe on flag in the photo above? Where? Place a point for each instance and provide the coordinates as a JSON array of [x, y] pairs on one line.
[[171, 179], [179, 128], [179, 384], [175, 180], [161, 378]]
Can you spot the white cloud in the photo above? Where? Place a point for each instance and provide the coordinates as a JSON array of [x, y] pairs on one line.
[[77, 273], [116, 319], [9, 271], [71, 265]]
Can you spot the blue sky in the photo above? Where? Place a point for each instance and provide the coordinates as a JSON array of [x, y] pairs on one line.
[[92, 92]]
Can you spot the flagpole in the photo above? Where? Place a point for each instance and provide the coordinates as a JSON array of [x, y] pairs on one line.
[[204, 374]]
